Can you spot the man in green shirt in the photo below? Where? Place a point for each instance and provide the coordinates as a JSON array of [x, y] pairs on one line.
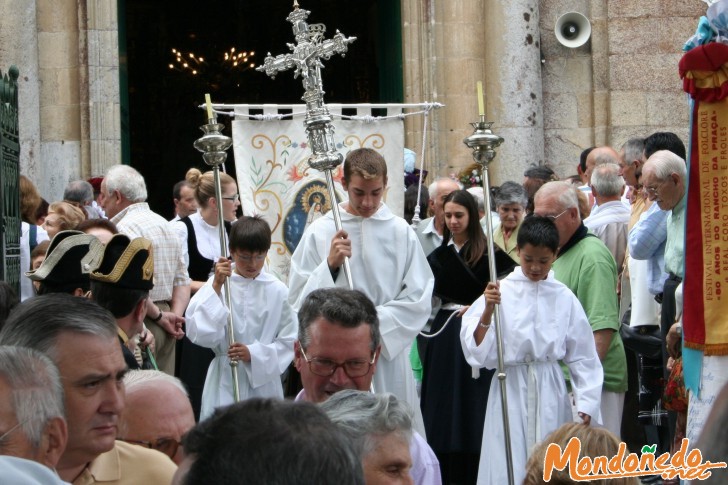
[[586, 266]]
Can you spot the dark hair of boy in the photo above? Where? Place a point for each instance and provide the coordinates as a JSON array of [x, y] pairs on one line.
[[250, 233], [538, 231]]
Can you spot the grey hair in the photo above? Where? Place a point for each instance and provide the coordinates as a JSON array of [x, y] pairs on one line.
[[564, 192], [38, 322], [664, 163], [511, 193], [432, 189], [633, 150], [364, 417], [35, 389], [127, 181], [340, 306], [79, 191], [606, 180], [477, 193], [141, 379]]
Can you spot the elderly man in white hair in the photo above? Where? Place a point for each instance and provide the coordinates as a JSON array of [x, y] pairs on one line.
[[609, 219], [157, 413], [32, 418], [380, 426]]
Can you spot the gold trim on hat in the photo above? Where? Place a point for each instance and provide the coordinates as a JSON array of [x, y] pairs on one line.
[[135, 245]]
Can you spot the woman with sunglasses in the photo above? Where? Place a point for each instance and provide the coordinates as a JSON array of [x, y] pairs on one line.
[[200, 239]]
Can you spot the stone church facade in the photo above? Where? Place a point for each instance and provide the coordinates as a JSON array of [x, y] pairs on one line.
[[546, 100]]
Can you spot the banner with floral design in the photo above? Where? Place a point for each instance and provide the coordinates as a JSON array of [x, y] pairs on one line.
[[275, 180]]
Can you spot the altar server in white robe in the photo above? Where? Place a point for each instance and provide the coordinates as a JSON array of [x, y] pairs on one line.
[[387, 265], [265, 325], [542, 323]]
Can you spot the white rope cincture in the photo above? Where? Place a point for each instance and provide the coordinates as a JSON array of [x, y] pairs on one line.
[[444, 326], [416, 217]]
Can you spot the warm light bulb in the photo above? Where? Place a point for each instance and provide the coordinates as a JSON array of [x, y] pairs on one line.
[[171, 66], [235, 63], [252, 64], [192, 55], [252, 53], [232, 49], [174, 51], [185, 64], [201, 59], [226, 56], [194, 72]]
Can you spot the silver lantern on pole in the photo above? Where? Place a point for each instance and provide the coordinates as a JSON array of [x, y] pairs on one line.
[[483, 142], [306, 56], [214, 146]]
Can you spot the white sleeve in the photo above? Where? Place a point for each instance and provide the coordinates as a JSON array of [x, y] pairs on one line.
[[206, 318], [309, 270], [475, 355], [181, 229], [402, 318], [583, 361]]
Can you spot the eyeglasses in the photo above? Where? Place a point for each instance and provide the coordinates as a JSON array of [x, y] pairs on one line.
[[247, 258], [7, 433], [168, 446], [553, 218], [326, 367], [652, 189], [234, 198]]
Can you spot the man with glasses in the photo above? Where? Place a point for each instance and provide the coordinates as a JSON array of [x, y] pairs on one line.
[[123, 197], [157, 412], [664, 178], [586, 266], [32, 423], [80, 338], [338, 348]]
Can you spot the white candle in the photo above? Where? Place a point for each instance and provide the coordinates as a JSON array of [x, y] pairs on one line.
[[208, 103], [481, 105]]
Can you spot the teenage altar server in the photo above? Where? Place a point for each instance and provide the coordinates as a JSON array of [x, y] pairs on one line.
[[387, 265]]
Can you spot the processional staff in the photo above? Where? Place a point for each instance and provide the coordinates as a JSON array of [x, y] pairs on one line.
[[213, 146], [309, 50], [483, 142]]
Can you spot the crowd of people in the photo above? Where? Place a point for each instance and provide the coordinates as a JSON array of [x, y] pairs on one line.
[[135, 337]]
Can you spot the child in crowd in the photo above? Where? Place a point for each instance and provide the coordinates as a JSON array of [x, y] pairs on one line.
[[265, 326], [541, 323]]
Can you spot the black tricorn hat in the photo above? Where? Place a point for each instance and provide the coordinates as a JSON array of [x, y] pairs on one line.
[[62, 267], [123, 262]]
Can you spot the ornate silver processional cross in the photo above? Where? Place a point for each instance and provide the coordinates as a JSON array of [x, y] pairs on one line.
[[306, 56]]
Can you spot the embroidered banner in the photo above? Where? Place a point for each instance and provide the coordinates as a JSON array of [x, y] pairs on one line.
[[275, 181]]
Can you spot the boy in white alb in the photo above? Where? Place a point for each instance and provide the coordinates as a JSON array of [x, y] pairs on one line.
[[542, 323], [387, 265], [265, 326]]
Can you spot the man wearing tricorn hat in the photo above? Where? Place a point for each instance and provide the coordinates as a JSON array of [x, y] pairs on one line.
[[121, 277]]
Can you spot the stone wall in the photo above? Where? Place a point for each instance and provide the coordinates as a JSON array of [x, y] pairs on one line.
[[623, 82], [67, 53]]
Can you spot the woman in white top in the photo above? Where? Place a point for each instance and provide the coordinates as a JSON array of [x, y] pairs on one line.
[[200, 239]]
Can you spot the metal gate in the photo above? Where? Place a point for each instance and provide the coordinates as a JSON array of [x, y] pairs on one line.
[[9, 172]]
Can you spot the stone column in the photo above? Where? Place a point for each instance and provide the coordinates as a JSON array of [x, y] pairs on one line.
[[443, 60], [60, 108], [19, 46], [514, 96], [103, 88]]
